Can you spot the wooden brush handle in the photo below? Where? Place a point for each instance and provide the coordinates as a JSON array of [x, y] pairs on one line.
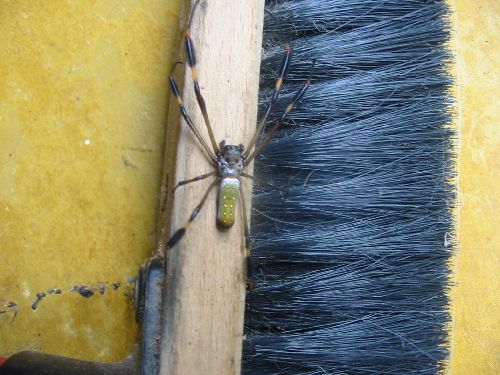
[[205, 291]]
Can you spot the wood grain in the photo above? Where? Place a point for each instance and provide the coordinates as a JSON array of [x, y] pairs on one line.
[[205, 292]]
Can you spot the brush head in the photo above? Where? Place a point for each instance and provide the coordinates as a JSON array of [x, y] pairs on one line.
[[351, 264]]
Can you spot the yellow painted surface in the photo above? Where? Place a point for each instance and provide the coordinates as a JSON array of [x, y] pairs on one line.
[[83, 93], [476, 310]]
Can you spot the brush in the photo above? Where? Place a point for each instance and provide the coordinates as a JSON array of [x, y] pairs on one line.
[[351, 262], [349, 256]]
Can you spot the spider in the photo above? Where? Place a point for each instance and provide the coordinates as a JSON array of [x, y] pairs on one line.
[[228, 161]]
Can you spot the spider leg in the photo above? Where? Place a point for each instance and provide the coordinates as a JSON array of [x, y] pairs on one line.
[[176, 92], [277, 88], [197, 178], [179, 233], [192, 64], [279, 123], [248, 251]]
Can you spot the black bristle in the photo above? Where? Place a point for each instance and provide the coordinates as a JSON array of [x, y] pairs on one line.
[[351, 262]]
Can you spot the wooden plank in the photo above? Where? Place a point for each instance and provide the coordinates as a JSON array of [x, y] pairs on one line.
[[205, 292]]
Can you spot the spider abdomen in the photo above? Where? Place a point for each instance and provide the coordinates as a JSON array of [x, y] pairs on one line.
[[226, 203]]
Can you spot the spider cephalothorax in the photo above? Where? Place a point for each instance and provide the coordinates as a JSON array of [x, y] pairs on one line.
[[231, 161]]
